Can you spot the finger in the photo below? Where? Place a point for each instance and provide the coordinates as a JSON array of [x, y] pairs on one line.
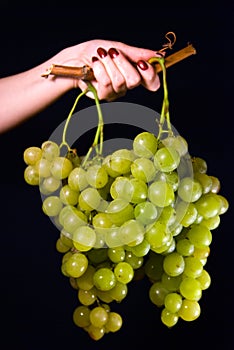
[[117, 79], [149, 77], [131, 76], [102, 83]]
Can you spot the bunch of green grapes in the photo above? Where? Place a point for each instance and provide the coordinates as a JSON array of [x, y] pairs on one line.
[[145, 211]]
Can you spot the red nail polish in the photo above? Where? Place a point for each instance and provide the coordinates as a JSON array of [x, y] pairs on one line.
[[101, 52], [94, 59], [142, 65], [113, 52]]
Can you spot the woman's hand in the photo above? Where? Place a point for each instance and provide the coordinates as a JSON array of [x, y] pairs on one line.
[[117, 67]]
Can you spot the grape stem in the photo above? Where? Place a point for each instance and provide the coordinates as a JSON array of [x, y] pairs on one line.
[[165, 115], [98, 139], [64, 142]]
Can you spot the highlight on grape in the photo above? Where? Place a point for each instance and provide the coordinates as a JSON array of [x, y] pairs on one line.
[[142, 206]]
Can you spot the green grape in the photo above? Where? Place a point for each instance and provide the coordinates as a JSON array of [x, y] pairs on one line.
[[167, 216], [101, 222], [212, 223], [169, 318], [189, 190], [89, 199], [184, 247], [95, 333], [173, 302], [104, 296], [201, 252], [171, 283], [100, 240], [105, 192], [135, 261], [61, 167], [72, 218], [121, 160], [61, 247], [204, 279], [139, 191], [68, 196], [123, 272], [72, 282], [81, 316], [173, 264], [157, 293], [66, 256], [131, 233], [49, 185], [140, 249], [121, 188], [52, 205], [186, 213], [98, 316], [116, 255], [112, 238], [86, 280], [77, 179], [87, 297], [200, 236], [215, 187], [66, 238], [193, 267], [143, 169], [107, 166], [166, 159], [76, 265], [172, 178], [154, 266], [199, 165], [145, 144], [190, 288], [224, 204], [119, 291], [104, 279], [157, 235], [97, 256], [96, 176], [145, 212], [205, 181], [31, 175], [84, 238], [114, 322], [50, 150], [31, 155], [43, 167], [119, 211], [161, 194], [190, 310], [178, 143], [167, 248], [208, 205]]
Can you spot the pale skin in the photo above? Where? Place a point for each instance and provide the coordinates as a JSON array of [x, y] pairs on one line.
[[25, 94]]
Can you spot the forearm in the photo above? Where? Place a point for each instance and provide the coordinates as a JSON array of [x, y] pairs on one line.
[[26, 94]]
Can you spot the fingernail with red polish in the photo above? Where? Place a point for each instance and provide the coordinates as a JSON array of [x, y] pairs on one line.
[[101, 52], [94, 59], [113, 52], [142, 65]]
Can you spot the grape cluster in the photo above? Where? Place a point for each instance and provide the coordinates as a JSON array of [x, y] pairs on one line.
[[143, 212]]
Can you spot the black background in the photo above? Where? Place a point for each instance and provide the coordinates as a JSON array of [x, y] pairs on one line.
[[36, 300]]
